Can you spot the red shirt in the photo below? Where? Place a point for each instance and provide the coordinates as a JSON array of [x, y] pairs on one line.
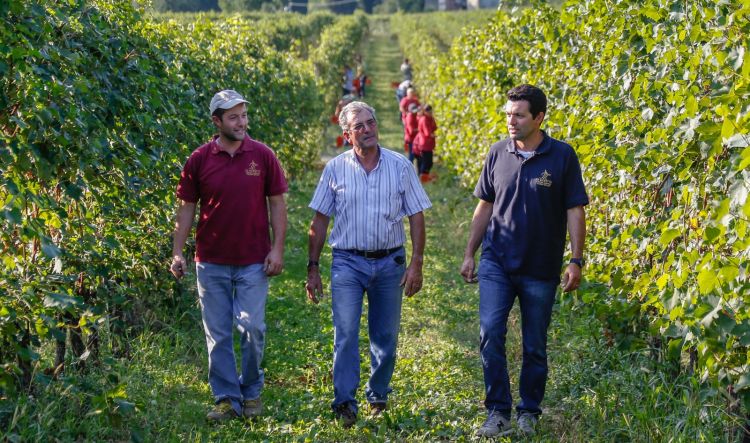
[[410, 126], [425, 138], [233, 226]]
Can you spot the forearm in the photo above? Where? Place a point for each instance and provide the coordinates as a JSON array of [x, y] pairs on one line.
[[277, 206], [183, 225], [577, 230], [317, 236], [417, 233], [479, 223]]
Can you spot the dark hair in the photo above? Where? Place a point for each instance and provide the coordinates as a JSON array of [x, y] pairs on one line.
[[219, 113], [536, 98], [428, 108]]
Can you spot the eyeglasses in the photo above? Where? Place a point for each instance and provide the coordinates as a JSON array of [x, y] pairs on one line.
[[359, 127]]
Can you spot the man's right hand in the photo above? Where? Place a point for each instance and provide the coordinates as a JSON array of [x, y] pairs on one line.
[[467, 270], [314, 285], [178, 266]]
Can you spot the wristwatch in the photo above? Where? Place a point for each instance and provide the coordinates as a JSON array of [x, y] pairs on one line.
[[577, 261], [311, 263]]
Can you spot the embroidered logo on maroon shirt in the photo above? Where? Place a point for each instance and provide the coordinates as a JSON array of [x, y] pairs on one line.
[[253, 170]]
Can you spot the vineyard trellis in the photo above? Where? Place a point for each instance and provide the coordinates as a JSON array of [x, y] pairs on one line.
[[655, 96], [99, 108]]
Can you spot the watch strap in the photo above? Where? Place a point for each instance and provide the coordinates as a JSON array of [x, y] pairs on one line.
[[577, 261]]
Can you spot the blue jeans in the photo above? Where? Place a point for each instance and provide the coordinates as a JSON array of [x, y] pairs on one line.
[[351, 277], [232, 295], [497, 293]]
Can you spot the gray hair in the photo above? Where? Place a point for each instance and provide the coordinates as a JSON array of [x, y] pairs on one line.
[[353, 108]]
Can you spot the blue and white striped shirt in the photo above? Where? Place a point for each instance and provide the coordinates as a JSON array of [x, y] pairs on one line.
[[368, 209]]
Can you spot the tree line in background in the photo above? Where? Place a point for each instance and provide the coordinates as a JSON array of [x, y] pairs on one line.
[[217, 5], [232, 6]]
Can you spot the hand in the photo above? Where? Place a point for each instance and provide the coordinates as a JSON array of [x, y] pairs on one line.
[[571, 278], [178, 266], [274, 263], [314, 287], [412, 279], [467, 270]]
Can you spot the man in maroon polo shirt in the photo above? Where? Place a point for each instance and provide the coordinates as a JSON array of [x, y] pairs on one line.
[[237, 181]]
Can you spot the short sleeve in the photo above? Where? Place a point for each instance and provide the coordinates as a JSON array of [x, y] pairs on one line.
[[324, 198], [415, 198], [485, 190], [187, 188], [575, 190], [275, 181]]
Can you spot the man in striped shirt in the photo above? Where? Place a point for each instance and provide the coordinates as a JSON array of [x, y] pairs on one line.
[[368, 190]]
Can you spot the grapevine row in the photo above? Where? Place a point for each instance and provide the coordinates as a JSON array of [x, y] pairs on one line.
[[654, 97], [99, 108]]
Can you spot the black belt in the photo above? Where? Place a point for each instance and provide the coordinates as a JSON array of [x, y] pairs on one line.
[[379, 253]]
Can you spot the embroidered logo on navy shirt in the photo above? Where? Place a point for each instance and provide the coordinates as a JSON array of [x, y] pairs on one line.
[[253, 170], [543, 180]]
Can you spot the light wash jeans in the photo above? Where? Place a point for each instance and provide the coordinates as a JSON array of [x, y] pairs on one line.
[[497, 292], [351, 277], [233, 295]]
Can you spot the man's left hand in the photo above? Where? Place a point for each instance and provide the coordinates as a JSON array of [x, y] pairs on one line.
[[274, 263], [571, 278], [412, 279]]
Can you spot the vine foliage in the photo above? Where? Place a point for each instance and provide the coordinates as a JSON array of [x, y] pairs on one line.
[[99, 108], [655, 98]]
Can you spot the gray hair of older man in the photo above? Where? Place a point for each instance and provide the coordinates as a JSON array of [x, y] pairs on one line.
[[353, 108]]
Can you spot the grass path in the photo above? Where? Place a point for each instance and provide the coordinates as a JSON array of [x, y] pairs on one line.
[[437, 384]]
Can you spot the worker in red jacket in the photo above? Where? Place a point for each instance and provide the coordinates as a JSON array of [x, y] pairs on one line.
[[411, 127], [424, 142]]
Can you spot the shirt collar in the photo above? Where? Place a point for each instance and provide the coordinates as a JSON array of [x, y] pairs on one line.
[[246, 145], [543, 147], [353, 158]]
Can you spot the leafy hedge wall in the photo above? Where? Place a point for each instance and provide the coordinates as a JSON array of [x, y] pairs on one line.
[[99, 110], [655, 97]]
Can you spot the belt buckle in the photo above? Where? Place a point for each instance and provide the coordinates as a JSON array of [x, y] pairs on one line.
[[369, 254]]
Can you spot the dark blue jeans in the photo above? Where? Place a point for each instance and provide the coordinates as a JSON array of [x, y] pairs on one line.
[[497, 293]]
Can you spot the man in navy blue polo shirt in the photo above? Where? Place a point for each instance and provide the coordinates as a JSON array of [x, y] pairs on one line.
[[530, 190]]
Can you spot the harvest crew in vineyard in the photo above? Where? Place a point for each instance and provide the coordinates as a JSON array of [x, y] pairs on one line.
[[368, 190], [529, 191], [237, 181]]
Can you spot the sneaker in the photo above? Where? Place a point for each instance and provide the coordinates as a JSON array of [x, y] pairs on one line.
[[527, 423], [222, 410], [346, 414], [495, 426], [378, 407], [252, 408]]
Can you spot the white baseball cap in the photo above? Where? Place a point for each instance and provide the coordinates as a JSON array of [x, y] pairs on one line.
[[226, 99]]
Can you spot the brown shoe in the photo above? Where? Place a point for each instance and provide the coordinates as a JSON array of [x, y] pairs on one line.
[[222, 411], [252, 408], [377, 408]]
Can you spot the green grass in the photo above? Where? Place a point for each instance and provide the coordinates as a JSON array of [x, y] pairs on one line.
[[595, 393], [160, 392]]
